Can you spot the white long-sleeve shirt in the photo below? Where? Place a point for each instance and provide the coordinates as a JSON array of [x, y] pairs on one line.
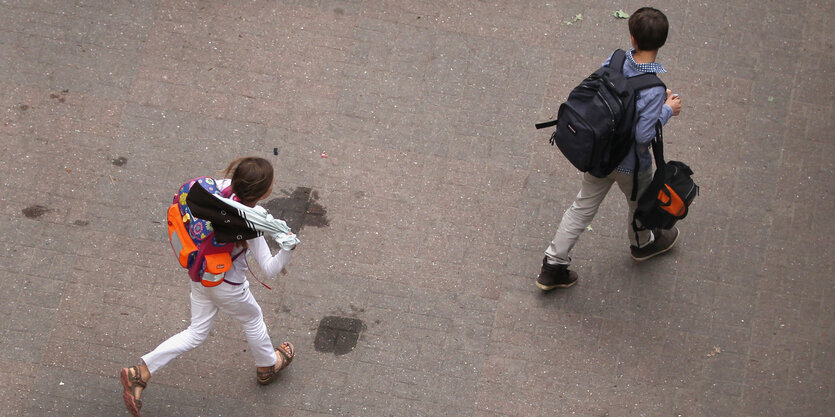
[[269, 263]]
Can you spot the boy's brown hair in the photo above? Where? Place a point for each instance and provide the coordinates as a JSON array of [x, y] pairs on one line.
[[649, 28]]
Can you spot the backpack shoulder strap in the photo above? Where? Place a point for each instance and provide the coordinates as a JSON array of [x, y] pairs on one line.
[[617, 60], [227, 193], [644, 81]]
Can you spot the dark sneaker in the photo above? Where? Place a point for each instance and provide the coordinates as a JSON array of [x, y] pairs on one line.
[[664, 241], [555, 276]]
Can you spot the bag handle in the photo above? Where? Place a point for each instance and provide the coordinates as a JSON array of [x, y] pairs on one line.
[[657, 144], [658, 147]]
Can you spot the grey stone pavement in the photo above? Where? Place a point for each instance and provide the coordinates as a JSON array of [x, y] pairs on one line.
[[423, 227]]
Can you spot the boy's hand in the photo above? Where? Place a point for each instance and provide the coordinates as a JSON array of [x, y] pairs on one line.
[[674, 101]]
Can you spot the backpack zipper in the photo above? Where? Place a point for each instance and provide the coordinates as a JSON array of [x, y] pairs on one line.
[[620, 102], [611, 112], [615, 95]]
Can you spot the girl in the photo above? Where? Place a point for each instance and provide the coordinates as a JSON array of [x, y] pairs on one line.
[[251, 181]]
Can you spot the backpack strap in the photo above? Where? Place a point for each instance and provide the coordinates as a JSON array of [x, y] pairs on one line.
[[617, 60], [227, 193], [657, 144], [658, 152], [658, 147], [634, 196], [543, 125], [638, 83], [644, 81]]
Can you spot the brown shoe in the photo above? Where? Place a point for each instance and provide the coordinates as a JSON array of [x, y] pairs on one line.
[[664, 241], [555, 276], [132, 382], [286, 352]]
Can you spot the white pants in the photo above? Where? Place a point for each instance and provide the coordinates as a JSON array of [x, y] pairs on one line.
[[235, 300], [592, 192]]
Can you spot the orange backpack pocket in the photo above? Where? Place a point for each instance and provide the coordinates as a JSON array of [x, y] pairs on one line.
[[218, 263], [216, 266], [181, 242]]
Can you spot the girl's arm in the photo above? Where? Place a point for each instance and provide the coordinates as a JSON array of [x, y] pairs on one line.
[[269, 263]]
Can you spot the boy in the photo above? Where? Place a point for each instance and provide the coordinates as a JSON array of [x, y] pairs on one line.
[[648, 29]]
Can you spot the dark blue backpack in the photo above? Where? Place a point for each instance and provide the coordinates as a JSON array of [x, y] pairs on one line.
[[596, 124]]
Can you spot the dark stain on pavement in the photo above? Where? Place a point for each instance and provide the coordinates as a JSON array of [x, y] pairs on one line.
[[81, 223], [60, 97], [338, 334], [299, 209], [120, 161], [33, 212]]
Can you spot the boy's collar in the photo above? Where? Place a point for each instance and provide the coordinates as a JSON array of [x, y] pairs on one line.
[[653, 67]]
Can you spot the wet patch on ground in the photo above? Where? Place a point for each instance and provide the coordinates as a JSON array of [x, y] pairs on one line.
[[33, 212], [299, 208], [338, 334], [62, 97]]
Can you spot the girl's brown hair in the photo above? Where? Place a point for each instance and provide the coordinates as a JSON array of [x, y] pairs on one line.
[[251, 178]]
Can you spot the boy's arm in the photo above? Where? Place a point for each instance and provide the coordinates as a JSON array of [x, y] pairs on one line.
[[651, 108]]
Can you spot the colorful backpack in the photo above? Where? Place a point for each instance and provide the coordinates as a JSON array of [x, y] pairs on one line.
[[194, 241]]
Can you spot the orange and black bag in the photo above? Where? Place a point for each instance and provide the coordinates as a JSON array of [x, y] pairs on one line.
[[668, 197]]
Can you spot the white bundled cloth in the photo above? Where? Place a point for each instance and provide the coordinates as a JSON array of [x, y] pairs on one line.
[[258, 218]]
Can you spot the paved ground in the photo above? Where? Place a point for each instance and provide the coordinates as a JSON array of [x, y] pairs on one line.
[[424, 227]]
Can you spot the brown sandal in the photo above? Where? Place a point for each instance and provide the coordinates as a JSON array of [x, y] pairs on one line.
[[131, 381], [286, 352]]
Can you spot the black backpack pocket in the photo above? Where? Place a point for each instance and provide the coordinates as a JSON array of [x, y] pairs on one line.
[[574, 137]]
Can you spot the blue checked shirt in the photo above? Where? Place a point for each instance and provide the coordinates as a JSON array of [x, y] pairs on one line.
[[650, 107]]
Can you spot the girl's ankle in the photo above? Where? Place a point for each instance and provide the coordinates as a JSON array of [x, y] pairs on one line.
[[144, 372]]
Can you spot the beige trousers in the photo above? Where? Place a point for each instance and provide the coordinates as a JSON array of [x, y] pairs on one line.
[[592, 192]]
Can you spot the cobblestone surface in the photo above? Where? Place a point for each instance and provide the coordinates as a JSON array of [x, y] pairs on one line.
[[436, 200]]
